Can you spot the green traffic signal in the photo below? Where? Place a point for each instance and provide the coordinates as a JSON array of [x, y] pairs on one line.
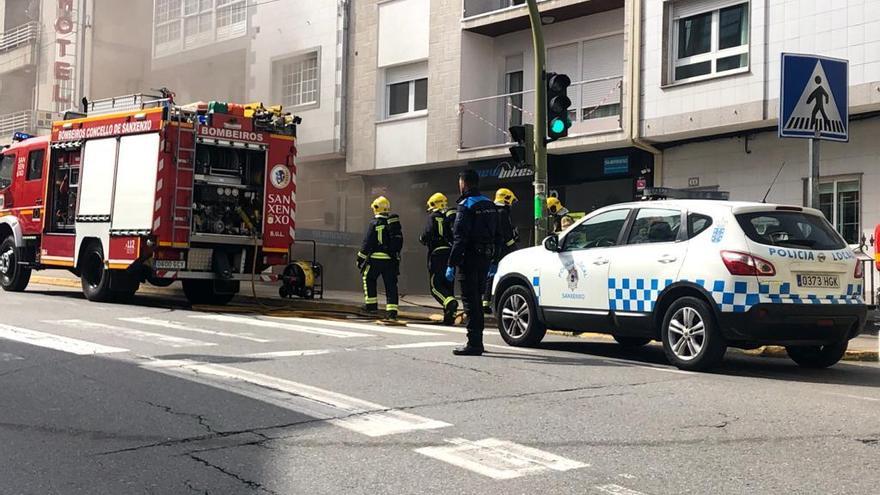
[[557, 126]]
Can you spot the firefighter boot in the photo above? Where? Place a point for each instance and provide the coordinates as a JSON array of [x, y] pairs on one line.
[[449, 312]]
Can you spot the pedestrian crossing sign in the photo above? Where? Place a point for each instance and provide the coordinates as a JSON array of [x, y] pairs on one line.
[[813, 101]]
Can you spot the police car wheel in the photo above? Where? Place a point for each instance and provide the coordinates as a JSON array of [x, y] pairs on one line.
[[631, 341], [517, 318], [817, 356], [691, 338], [13, 277]]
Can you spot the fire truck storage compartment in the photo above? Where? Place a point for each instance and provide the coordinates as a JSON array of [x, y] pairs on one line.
[[228, 191], [65, 186]]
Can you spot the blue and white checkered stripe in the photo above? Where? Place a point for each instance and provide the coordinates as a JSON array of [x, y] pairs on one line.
[[736, 295]]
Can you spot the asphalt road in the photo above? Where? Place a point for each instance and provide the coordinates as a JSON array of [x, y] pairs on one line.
[[155, 398]]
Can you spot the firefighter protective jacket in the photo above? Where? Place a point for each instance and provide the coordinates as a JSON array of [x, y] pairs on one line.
[[383, 239], [437, 235], [509, 234], [476, 231]]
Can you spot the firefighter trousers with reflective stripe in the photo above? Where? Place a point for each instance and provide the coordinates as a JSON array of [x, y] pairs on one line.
[[442, 289], [388, 270]]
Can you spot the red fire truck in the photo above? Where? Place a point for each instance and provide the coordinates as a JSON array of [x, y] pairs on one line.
[[138, 189]]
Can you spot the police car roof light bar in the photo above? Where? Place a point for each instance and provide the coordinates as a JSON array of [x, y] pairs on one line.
[[658, 193]]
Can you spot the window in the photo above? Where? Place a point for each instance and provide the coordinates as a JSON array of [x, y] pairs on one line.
[[35, 164], [790, 229], [708, 42], [514, 87], [654, 225], [406, 90], [6, 166], [297, 80], [183, 24], [603, 230], [595, 67], [840, 202], [697, 224]]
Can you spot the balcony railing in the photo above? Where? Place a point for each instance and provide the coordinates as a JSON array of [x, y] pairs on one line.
[[483, 122], [16, 122], [19, 36], [476, 7]]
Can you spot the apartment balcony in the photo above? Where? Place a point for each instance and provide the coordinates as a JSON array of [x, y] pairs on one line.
[[27, 121], [18, 47], [483, 122], [498, 17]]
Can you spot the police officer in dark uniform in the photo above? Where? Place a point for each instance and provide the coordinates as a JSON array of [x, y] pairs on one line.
[[476, 241], [437, 236], [380, 256], [504, 199]]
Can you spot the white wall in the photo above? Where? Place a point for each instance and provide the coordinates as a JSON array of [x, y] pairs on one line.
[[724, 162], [403, 31], [844, 29], [401, 142], [288, 29]]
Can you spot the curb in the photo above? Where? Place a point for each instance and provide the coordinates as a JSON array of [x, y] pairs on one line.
[[289, 306], [769, 351]]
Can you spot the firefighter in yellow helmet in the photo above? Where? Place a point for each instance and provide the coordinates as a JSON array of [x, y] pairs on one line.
[[504, 199], [437, 237], [380, 256], [557, 213]]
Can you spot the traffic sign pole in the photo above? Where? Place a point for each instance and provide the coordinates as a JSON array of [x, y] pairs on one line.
[[813, 194]]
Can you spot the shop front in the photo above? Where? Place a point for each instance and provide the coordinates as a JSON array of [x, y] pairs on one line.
[[583, 182]]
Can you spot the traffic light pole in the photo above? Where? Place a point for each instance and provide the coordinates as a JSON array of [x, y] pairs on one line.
[[540, 132]]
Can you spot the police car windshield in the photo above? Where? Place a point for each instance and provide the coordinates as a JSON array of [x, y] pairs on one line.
[[790, 229]]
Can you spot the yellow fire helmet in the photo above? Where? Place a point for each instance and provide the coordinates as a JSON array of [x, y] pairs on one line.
[[381, 205], [505, 196], [437, 202], [555, 206]]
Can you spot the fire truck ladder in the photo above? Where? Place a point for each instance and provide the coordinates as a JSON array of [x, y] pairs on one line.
[[187, 123]]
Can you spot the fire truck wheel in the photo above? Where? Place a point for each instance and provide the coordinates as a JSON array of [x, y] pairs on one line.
[[94, 275], [202, 292], [13, 277]]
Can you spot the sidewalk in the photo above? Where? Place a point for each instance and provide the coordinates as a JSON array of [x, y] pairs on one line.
[[865, 347]]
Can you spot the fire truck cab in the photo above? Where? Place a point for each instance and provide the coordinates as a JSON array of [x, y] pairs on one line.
[[138, 189]]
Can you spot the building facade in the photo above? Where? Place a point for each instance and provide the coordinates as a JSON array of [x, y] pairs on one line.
[[710, 99]]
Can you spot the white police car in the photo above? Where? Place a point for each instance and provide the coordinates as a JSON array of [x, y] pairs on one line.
[[698, 275]]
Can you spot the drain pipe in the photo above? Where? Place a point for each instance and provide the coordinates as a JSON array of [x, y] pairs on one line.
[[635, 93]]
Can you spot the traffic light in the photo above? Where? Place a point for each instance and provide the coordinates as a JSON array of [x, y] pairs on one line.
[[523, 152], [557, 105]]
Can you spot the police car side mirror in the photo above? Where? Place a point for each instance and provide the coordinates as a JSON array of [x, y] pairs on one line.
[[551, 243]]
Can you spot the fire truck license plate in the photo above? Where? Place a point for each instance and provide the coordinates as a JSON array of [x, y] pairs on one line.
[[818, 281], [170, 264]]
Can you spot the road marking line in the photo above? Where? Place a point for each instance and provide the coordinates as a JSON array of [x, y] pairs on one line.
[[186, 328], [326, 332], [362, 326], [6, 357], [348, 412], [419, 345], [512, 348], [613, 489], [442, 328], [56, 342], [317, 352], [130, 333], [498, 459], [873, 399]]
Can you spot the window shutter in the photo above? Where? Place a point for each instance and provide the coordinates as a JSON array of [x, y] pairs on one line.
[[687, 8], [602, 58]]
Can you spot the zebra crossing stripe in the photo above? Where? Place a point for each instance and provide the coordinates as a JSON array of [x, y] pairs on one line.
[[186, 328], [130, 333], [55, 342], [326, 332], [498, 459]]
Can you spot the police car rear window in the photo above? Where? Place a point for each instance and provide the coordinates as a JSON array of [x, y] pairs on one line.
[[790, 229]]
